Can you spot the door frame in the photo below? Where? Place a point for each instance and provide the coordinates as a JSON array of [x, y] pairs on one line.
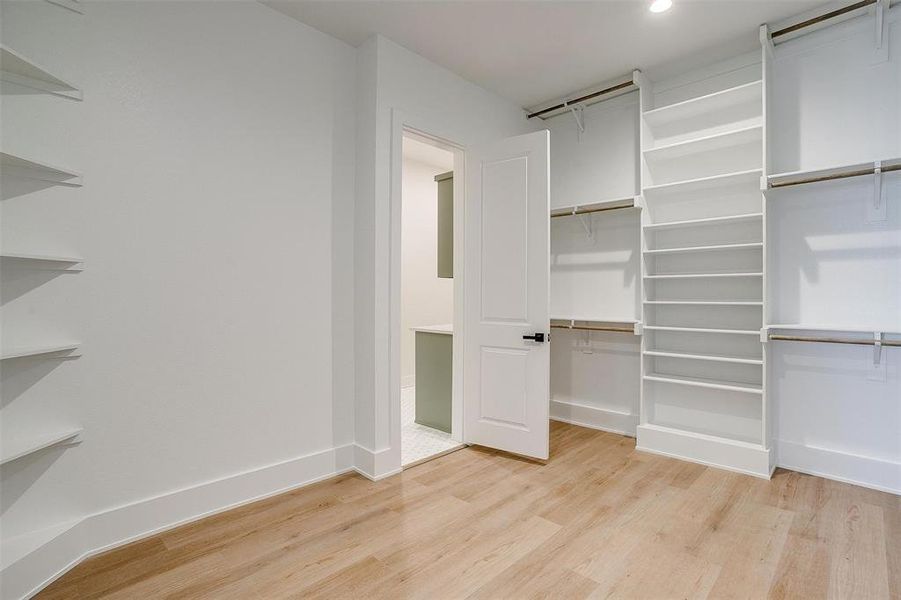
[[401, 123]]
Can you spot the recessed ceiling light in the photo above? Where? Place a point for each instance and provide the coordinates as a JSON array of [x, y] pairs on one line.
[[658, 6]]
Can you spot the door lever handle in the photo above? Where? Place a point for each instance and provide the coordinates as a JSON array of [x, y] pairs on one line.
[[538, 337]]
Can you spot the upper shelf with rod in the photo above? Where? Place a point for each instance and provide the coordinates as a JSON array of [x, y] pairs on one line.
[[603, 206], [17, 69], [781, 180], [596, 324]]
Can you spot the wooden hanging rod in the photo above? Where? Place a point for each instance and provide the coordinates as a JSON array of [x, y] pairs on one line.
[[832, 340], [614, 88], [824, 17], [846, 174], [598, 328], [593, 208]]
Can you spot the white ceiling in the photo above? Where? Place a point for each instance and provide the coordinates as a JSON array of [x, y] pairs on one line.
[[533, 51]]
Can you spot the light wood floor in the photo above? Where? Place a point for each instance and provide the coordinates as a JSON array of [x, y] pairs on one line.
[[599, 520]]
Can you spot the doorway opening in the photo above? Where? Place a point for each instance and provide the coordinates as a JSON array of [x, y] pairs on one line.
[[427, 300]]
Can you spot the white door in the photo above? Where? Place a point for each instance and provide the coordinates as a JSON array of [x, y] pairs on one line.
[[505, 375]]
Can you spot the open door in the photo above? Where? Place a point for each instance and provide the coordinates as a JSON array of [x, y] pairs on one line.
[[506, 353]]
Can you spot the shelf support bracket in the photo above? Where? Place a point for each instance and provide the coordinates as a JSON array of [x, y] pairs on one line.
[[585, 220], [877, 347], [881, 33], [578, 114], [877, 211]]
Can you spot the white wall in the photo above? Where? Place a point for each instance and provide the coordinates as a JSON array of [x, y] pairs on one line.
[[426, 299], [835, 101], [391, 78], [216, 224]]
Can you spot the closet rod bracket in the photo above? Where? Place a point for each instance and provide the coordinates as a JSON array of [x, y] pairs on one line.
[[877, 347], [578, 113], [877, 211], [586, 222]]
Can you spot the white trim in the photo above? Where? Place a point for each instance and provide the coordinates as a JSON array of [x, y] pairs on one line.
[[374, 464], [594, 417], [128, 523], [408, 381], [865, 471], [722, 453]]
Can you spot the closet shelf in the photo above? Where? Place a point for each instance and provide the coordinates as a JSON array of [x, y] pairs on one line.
[[737, 178], [73, 263], [700, 275], [36, 444], [18, 166], [705, 302], [748, 93], [841, 328], [23, 351], [703, 330], [706, 357], [596, 324], [707, 143], [744, 444], [584, 209], [20, 546], [16, 68], [792, 178], [716, 384], [708, 221], [745, 246]]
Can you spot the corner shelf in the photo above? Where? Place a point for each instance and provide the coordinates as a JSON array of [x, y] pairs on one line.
[[25, 351], [17, 69], [73, 263], [742, 94], [18, 166], [23, 449]]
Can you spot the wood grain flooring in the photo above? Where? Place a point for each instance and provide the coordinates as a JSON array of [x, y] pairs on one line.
[[599, 520]]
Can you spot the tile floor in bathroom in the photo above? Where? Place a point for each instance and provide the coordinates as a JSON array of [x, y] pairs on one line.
[[419, 441]]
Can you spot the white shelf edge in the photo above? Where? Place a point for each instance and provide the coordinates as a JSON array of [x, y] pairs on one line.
[[20, 70], [19, 166], [705, 302], [20, 546], [754, 332], [610, 204], [700, 99], [791, 177], [73, 5], [705, 357], [584, 319], [39, 444], [732, 386], [704, 436], [702, 181], [706, 221], [744, 246], [75, 263], [703, 140], [22, 352], [700, 275]]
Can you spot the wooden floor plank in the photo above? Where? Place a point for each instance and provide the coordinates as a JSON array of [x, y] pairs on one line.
[[598, 520]]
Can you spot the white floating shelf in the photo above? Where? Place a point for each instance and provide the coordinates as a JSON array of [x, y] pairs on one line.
[[732, 386], [841, 328], [23, 351], [755, 332], [22, 448], [72, 263], [828, 173], [17, 69], [748, 93], [704, 302], [746, 246], [707, 143], [705, 357], [604, 205], [738, 178], [701, 275], [28, 168], [708, 221], [20, 546]]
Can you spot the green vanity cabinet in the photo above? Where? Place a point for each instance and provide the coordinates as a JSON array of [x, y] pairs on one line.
[[445, 224], [434, 371]]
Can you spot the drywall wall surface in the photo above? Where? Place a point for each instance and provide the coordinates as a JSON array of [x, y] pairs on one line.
[[426, 298], [215, 222], [405, 84]]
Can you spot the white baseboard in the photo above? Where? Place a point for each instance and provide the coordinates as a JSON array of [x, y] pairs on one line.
[[594, 417], [864, 471], [375, 465], [706, 450], [131, 522]]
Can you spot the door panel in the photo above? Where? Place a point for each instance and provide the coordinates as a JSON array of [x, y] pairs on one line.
[[507, 273]]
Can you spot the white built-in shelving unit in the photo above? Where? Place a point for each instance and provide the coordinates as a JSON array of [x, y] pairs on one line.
[[703, 391]]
